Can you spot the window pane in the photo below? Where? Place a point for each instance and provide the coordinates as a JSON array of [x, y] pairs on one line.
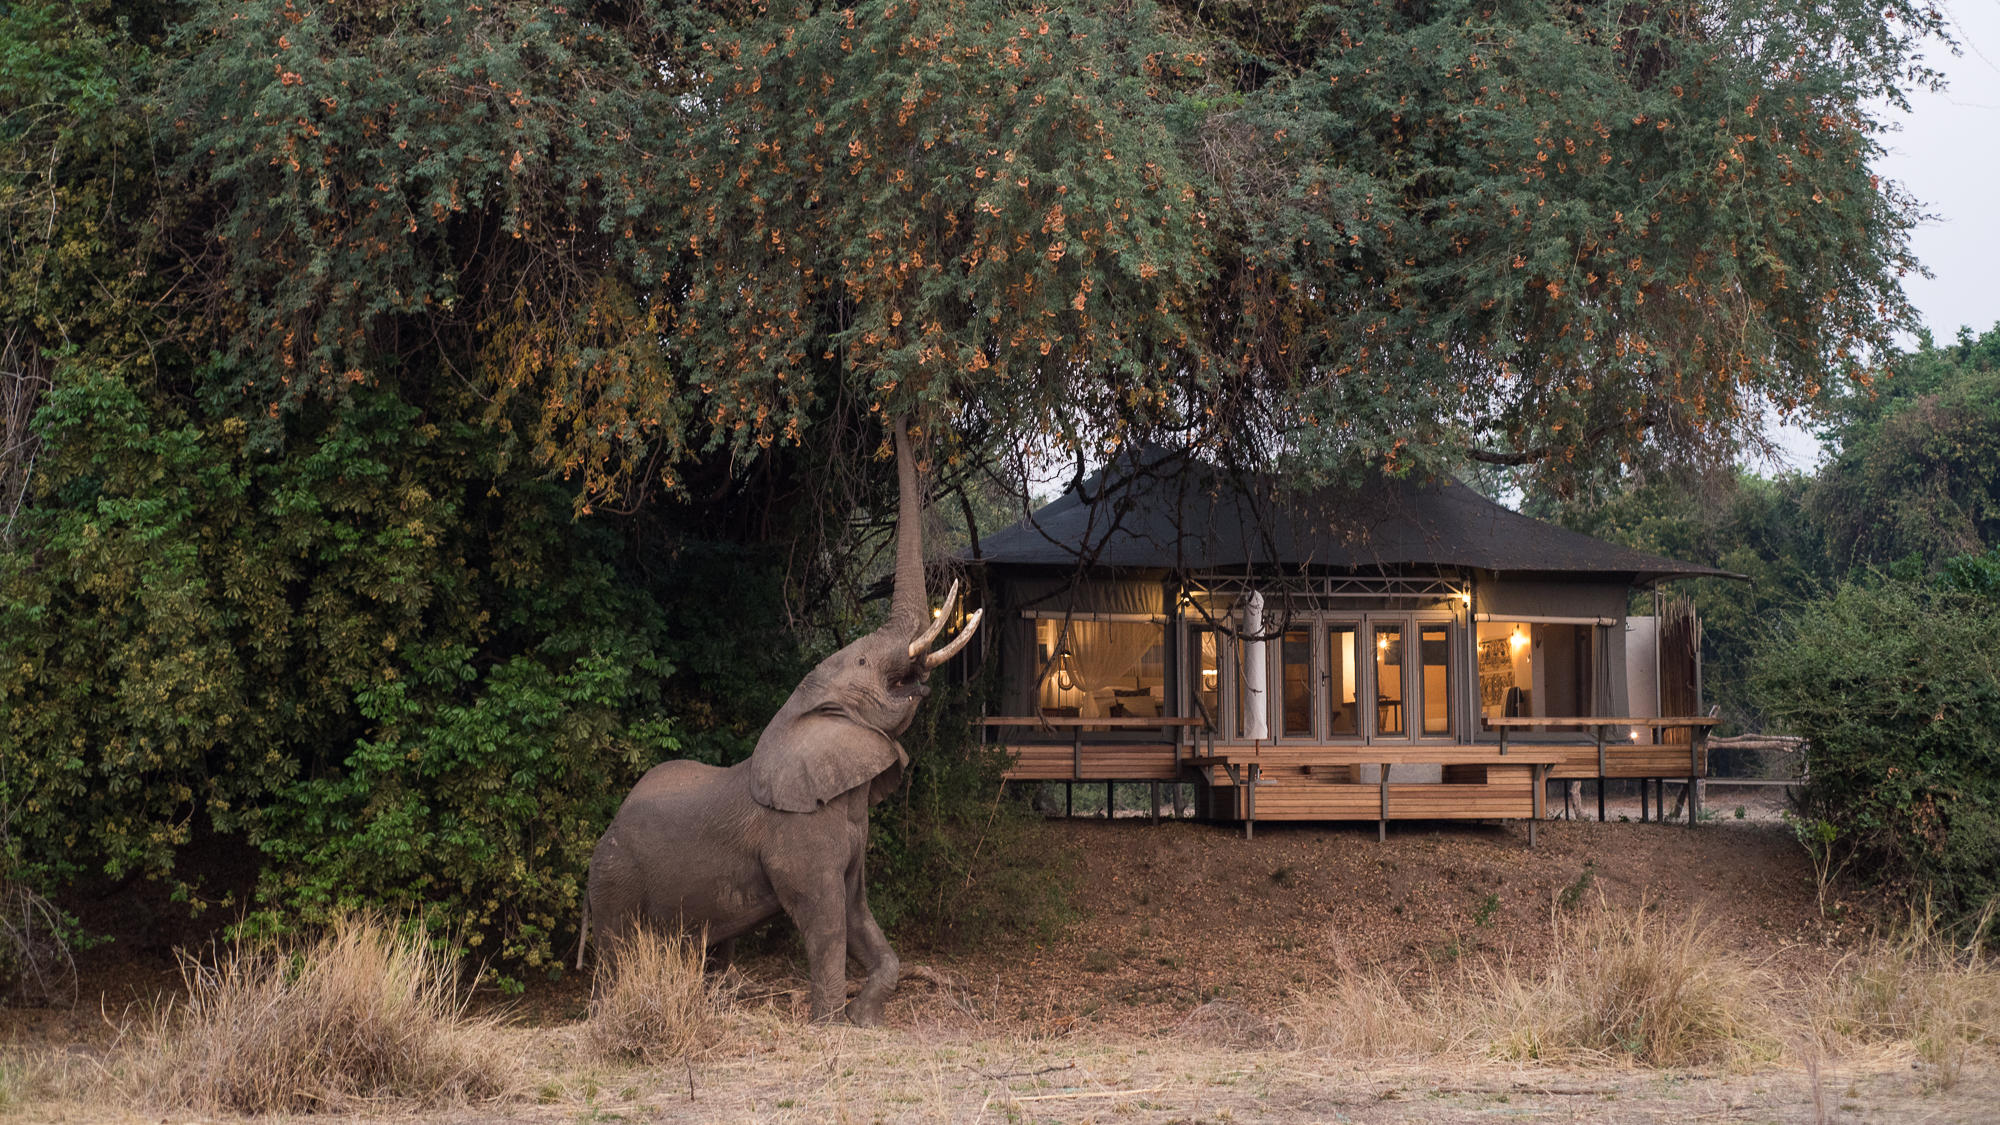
[[1436, 648], [1205, 686], [1389, 718], [1342, 681], [1297, 684]]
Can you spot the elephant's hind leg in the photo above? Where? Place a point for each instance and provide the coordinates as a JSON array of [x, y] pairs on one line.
[[871, 948]]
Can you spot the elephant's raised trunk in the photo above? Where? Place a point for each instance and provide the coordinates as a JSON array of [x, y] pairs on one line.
[[907, 605]]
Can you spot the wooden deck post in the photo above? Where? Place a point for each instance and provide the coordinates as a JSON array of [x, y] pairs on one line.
[[1156, 802], [1069, 799], [1250, 803], [1600, 773], [1110, 799], [1694, 772], [1382, 824], [1539, 778]]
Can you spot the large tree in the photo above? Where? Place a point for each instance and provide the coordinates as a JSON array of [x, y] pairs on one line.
[[308, 294], [1544, 233]]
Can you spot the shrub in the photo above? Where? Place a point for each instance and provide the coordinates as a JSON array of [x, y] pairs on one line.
[[35, 936], [1919, 987], [402, 671], [361, 1014], [1628, 985], [651, 1002], [1897, 685]]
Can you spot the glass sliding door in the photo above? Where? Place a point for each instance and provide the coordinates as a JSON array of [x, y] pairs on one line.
[[1205, 675], [1343, 680], [1435, 653], [1295, 684], [1391, 688]]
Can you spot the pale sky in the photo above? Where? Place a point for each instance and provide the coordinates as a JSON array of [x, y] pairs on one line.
[[1947, 155]]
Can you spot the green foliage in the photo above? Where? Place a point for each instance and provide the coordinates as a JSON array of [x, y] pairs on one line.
[[1898, 687], [398, 672], [361, 184], [300, 298], [952, 860], [1918, 468], [1746, 525]]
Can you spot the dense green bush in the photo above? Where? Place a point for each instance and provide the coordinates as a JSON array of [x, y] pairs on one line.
[[406, 677], [1897, 684]]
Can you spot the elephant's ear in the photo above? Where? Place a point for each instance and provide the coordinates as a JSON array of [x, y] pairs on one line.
[[818, 758]]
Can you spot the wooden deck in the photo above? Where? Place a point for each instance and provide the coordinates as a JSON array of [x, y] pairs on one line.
[[1480, 781]]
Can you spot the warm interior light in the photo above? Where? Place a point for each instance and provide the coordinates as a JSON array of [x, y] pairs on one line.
[[1519, 639], [1635, 736], [1065, 672], [1466, 597], [1382, 643]]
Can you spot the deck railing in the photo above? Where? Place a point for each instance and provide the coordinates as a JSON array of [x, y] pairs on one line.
[[1190, 742], [1697, 727]]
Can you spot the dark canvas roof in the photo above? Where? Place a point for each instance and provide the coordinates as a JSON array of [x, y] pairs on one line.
[[1191, 519]]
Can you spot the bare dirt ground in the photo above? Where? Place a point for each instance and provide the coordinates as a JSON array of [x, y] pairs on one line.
[[1159, 1003]]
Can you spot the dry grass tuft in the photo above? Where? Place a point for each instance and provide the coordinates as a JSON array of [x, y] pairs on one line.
[[1920, 988], [1630, 985], [1623, 986], [363, 1014], [1368, 1015], [651, 1002]]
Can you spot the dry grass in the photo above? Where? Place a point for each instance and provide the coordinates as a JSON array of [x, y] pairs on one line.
[[651, 1003], [1621, 986], [361, 1015], [1632, 986], [1918, 988]]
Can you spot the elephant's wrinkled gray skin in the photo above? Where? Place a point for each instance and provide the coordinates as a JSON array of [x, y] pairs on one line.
[[722, 851]]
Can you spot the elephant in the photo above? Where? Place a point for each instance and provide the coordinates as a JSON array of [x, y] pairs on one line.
[[719, 851]]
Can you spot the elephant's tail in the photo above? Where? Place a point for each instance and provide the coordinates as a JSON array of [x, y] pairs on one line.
[[583, 933]]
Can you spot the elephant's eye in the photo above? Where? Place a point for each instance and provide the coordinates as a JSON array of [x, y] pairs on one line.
[[863, 661]]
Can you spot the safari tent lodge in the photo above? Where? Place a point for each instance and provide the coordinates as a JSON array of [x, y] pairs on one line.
[[1395, 651]]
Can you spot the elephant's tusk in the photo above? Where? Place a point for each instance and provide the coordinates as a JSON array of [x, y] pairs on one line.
[[923, 643], [958, 642]]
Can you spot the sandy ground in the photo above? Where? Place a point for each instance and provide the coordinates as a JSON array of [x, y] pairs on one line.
[[1112, 1019]]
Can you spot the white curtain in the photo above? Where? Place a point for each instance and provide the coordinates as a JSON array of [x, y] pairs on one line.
[[1106, 654]]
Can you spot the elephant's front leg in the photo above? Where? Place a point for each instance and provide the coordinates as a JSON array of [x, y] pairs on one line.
[[866, 941], [818, 906]]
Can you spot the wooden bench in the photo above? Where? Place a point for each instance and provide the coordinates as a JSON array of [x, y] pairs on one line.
[[1279, 783]]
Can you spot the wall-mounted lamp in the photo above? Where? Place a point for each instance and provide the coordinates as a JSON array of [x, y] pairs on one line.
[[1519, 640]]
